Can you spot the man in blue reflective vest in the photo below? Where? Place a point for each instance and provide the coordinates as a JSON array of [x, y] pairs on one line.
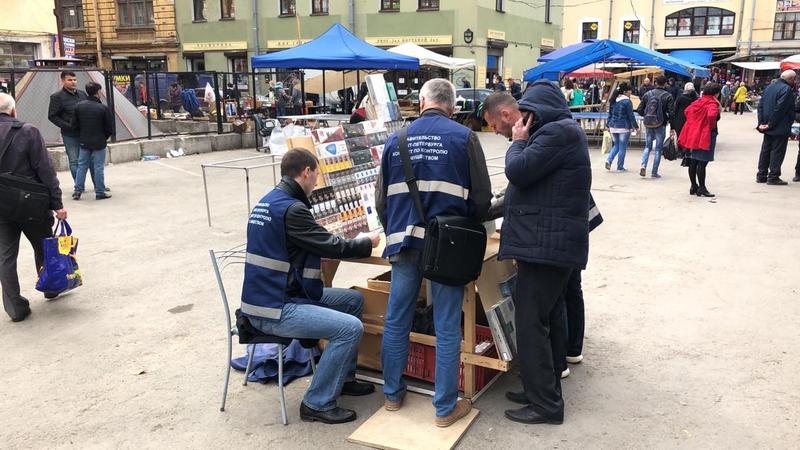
[[453, 180], [283, 295]]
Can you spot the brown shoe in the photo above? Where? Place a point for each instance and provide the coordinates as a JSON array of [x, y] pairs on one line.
[[463, 407], [391, 405]]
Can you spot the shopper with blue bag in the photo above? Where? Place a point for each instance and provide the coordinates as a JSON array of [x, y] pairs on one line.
[[60, 272], [29, 194]]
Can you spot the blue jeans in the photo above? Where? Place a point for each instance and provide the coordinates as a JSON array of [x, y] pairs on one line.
[[338, 321], [73, 148], [93, 161], [620, 146], [447, 301], [658, 135]]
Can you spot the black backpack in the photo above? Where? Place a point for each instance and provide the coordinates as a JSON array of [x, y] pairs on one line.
[[654, 109]]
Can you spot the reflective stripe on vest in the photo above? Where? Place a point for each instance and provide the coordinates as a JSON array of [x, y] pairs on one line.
[[261, 311], [411, 230], [267, 263], [430, 186]]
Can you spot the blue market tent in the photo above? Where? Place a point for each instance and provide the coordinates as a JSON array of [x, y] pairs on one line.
[[602, 50], [575, 47], [697, 57], [336, 49]]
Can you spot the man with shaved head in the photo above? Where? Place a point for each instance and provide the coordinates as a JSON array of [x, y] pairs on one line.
[[775, 118]]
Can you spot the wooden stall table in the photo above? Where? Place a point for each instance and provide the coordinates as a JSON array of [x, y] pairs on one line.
[[470, 359]]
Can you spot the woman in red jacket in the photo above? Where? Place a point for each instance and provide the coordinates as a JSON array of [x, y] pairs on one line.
[[699, 134]]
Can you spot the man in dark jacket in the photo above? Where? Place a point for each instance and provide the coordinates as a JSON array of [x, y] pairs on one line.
[[282, 294], [775, 117], [25, 156], [60, 112], [93, 121], [655, 133], [453, 180], [546, 231]]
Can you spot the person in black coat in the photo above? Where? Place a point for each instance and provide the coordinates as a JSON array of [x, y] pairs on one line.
[[95, 125], [546, 231], [796, 178], [688, 96], [775, 118]]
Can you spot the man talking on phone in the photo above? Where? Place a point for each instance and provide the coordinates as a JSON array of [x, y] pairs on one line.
[[546, 231]]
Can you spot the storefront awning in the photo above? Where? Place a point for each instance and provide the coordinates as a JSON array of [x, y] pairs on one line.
[[761, 65]]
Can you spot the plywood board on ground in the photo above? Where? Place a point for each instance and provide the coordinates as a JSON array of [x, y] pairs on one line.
[[412, 427]]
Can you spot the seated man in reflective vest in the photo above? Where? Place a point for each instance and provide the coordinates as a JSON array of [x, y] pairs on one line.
[[450, 170], [283, 295]]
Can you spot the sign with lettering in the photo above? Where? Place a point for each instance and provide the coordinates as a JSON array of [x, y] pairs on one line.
[[214, 46], [286, 43], [482, 77], [392, 41], [548, 42], [494, 34], [69, 46]]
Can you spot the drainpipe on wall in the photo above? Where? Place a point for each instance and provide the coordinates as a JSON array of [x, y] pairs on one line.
[[739, 31], [652, 22], [255, 27], [752, 23], [352, 12], [97, 37], [610, 14]]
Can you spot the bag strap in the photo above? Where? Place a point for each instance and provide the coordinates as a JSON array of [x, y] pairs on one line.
[[9, 138], [411, 180], [62, 228]]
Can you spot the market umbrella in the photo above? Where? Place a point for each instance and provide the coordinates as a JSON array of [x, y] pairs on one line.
[[792, 62], [590, 72]]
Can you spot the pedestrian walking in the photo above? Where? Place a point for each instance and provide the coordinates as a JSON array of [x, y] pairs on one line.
[[699, 135], [453, 180], [60, 112], [674, 89], [499, 86], [23, 154], [775, 118], [93, 120], [621, 123], [646, 87], [657, 110], [739, 99], [515, 88], [726, 96]]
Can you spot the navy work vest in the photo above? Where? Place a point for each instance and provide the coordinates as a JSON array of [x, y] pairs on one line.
[[267, 266], [438, 150]]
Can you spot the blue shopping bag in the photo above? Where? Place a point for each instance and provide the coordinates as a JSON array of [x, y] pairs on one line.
[[60, 272]]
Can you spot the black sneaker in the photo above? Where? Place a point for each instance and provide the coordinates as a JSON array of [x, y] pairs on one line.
[[642, 171], [334, 416], [22, 317], [796, 179], [777, 182], [102, 196], [356, 389], [608, 165], [76, 195], [761, 180]]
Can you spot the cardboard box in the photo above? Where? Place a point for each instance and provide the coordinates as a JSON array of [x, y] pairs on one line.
[[383, 283], [375, 302], [304, 142], [495, 282]]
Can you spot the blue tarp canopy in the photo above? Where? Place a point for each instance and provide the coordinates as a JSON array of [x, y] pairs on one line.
[[575, 47], [602, 50], [697, 57], [336, 49]]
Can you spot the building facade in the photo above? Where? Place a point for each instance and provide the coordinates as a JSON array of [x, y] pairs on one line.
[[24, 36], [503, 37], [734, 29], [133, 35]]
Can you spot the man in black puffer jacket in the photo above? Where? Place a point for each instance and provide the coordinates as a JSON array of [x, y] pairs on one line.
[[546, 230]]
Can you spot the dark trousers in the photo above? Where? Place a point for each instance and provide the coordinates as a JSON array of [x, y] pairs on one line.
[[15, 304], [773, 150], [797, 165], [739, 108], [574, 314], [541, 334]]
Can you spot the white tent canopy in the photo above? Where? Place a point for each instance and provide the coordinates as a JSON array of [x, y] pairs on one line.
[[429, 58], [760, 65]]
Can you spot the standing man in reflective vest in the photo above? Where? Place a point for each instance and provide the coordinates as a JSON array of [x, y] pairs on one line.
[[283, 293], [450, 170]]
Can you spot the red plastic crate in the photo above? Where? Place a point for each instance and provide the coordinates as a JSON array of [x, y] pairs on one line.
[[422, 361]]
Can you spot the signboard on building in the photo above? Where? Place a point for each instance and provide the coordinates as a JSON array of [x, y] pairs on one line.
[[482, 80], [392, 41], [494, 34], [214, 46], [286, 43], [69, 46], [788, 6], [549, 43]]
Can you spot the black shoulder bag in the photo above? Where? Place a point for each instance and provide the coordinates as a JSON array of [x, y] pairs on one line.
[[454, 246], [22, 199]]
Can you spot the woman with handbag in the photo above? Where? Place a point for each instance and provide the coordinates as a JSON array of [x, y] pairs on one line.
[[621, 123], [699, 135]]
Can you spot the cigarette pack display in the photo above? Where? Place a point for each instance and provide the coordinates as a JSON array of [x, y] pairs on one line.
[[357, 143], [377, 138], [360, 157], [324, 135], [373, 126], [332, 149], [501, 322], [352, 130], [377, 153]]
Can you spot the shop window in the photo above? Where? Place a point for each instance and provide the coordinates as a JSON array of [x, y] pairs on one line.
[[630, 31], [390, 5], [135, 13], [288, 8], [500, 5], [72, 14], [700, 22], [238, 63], [589, 30], [428, 5], [16, 54], [199, 7], [319, 7], [787, 26], [227, 9], [196, 64]]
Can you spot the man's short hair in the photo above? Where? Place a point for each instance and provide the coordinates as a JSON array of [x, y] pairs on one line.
[[661, 80], [7, 103], [295, 161], [67, 73], [788, 74], [93, 88], [711, 88], [440, 92], [495, 101]]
